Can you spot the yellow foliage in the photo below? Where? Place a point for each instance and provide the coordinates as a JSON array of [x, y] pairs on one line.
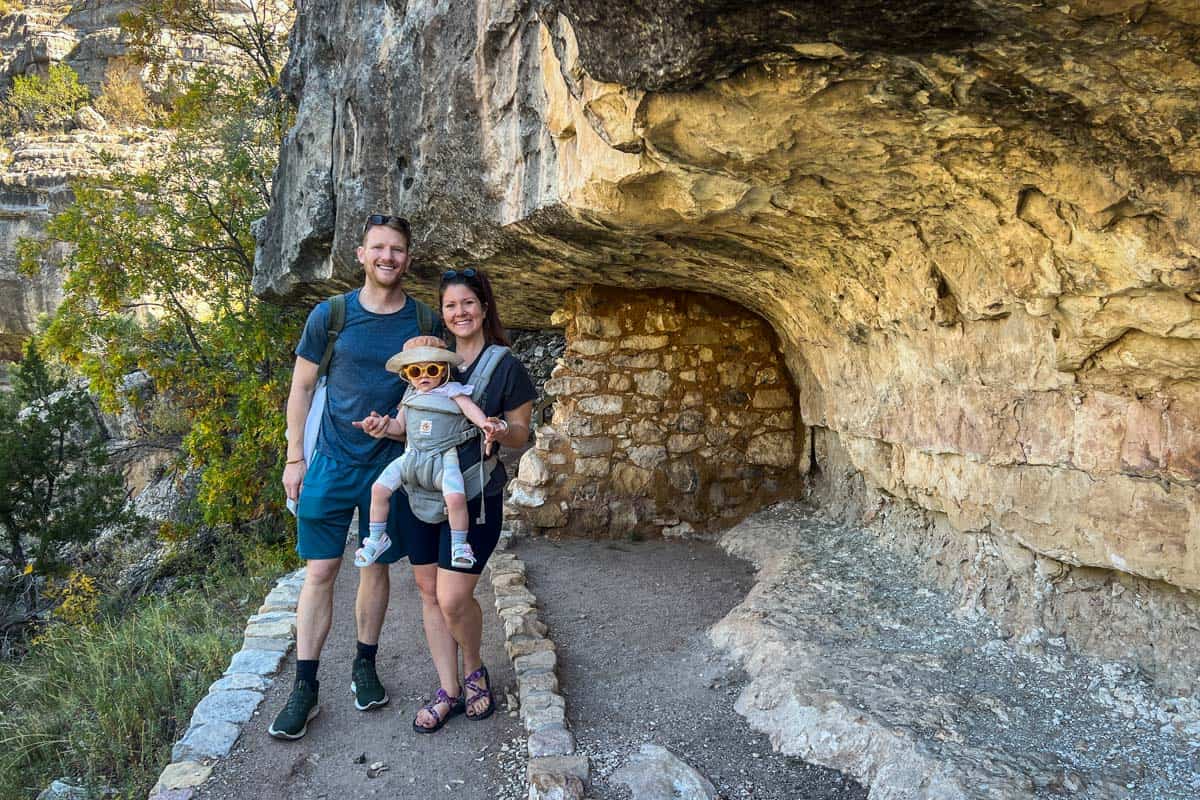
[[174, 532], [123, 100], [78, 599]]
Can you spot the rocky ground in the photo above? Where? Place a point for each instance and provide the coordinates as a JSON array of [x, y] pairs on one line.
[[857, 665], [630, 622]]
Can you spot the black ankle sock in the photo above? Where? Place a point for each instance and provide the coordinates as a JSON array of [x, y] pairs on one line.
[[368, 651], [306, 670]]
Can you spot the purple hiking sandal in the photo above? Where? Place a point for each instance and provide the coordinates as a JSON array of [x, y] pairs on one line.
[[476, 692], [455, 704]]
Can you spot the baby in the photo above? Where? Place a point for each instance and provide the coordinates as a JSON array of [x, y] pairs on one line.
[[428, 424]]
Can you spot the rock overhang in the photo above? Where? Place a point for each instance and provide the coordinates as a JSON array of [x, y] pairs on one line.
[[976, 242]]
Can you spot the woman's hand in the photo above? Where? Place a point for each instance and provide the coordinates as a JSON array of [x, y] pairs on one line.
[[492, 428], [513, 430]]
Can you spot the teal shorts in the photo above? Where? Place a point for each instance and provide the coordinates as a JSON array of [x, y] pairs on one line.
[[330, 493]]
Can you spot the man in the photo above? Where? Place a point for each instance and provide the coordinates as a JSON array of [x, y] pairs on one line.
[[379, 319]]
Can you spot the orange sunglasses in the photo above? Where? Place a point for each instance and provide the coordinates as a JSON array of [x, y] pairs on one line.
[[429, 369]]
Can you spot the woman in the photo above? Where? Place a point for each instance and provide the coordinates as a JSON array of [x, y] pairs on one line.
[[453, 619]]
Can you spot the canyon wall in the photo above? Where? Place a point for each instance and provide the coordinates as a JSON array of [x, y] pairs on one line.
[[37, 169], [35, 184], [973, 226]]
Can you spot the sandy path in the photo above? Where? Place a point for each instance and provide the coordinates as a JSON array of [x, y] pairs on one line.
[[630, 621], [464, 760]]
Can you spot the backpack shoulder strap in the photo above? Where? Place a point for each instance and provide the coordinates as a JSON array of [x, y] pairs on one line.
[[424, 318], [337, 320]]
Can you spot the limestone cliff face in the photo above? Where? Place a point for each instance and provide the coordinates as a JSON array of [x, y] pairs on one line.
[[35, 184], [36, 170], [973, 225], [86, 35]]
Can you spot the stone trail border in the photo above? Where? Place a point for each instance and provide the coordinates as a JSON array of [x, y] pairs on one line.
[[232, 699], [555, 772]]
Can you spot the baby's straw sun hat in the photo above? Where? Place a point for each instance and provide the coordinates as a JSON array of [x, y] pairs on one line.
[[422, 349]]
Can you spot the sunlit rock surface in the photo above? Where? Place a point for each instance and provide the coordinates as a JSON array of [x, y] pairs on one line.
[[973, 225], [36, 172], [36, 169]]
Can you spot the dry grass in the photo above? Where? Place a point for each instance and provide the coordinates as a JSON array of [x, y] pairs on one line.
[[123, 100]]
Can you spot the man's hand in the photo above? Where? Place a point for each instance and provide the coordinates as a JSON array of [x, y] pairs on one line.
[[374, 425], [293, 479]]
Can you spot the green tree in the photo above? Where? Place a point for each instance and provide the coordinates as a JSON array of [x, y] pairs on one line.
[[255, 29], [45, 102], [159, 279], [56, 483]]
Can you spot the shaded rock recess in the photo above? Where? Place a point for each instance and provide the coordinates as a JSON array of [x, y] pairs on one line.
[[672, 412]]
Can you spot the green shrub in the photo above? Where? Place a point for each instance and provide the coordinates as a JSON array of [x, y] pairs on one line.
[[105, 700], [56, 485], [46, 102]]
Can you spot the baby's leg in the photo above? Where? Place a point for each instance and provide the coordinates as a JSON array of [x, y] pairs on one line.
[[456, 511], [454, 493], [377, 541], [381, 499], [382, 489]]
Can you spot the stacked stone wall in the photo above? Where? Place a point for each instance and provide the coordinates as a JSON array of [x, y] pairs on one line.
[[674, 413]]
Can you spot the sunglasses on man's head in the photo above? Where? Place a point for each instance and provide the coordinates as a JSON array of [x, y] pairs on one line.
[[399, 223], [430, 369], [451, 274]]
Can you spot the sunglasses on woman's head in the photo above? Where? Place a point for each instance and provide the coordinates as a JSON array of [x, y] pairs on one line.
[[451, 274], [430, 369]]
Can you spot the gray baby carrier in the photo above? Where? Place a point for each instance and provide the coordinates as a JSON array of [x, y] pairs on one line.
[[435, 424]]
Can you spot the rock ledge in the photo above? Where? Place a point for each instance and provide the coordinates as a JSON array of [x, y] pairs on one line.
[[857, 667]]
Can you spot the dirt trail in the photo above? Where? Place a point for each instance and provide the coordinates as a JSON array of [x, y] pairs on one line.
[[465, 760], [630, 621]]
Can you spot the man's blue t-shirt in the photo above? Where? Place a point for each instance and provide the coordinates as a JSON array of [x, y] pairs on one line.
[[357, 382]]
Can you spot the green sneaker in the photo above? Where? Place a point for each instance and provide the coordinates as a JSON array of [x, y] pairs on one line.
[[368, 691], [292, 722]]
